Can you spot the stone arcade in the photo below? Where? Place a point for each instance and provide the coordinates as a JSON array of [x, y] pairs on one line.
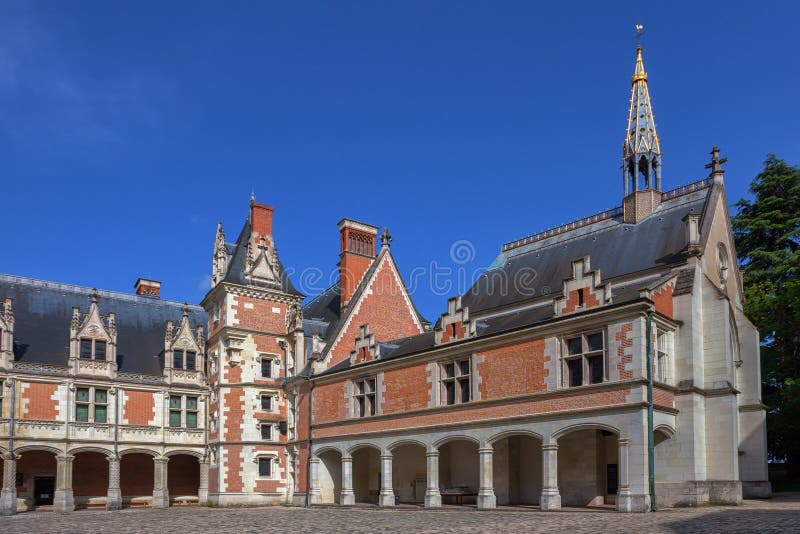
[[549, 390]]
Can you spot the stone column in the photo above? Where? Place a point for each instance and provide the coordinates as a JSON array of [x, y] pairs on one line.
[[386, 497], [202, 491], [314, 492], [623, 483], [347, 497], [433, 499], [114, 497], [8, 497], [550, 498], [63, 500], [486, 498], [160, 488]]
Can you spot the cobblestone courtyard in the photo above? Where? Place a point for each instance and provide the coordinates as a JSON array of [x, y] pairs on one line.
[[778, 515]]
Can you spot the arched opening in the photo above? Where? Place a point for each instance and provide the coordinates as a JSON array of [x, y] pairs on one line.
[[517, 470], [458, 472], [330, 476], [366, 475], [588, 467], [644, 173], [409, 473], [90, 479], [183, 479], [136, 477], [36, 470], [666, 452]]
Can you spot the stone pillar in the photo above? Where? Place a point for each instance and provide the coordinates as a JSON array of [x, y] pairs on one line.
[[63, 500], [314, 492], [486, 498], [114, 496], [160, 488], [347, 497], [8, 497], [623, 484], [433, 499], [386, 497], [550, 498], [202, 491]]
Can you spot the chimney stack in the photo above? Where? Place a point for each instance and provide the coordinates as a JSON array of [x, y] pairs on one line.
[[148, 288], [261, 222], [357, 252]]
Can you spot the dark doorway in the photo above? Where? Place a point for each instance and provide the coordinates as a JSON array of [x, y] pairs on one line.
[[43, 489], [611, 479]]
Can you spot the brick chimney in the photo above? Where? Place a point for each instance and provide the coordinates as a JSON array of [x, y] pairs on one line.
[[357, 252], [148, 288], [261, 222]]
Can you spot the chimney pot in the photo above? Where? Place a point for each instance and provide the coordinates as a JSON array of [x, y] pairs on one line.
[[148, 288]]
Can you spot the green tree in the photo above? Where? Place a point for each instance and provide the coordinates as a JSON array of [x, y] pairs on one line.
[[767, 233]]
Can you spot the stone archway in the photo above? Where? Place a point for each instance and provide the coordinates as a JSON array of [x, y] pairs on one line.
[[366, 474], [458, 471], [588, 466], [90, 479], [37, 471], [329, 475], [183, 479], [137, 478], [409, 472], [517, 469]]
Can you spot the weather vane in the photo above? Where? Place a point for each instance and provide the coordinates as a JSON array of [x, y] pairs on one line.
[[639, 33]]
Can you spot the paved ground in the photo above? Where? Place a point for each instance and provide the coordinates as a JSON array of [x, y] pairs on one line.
[[778, 515]]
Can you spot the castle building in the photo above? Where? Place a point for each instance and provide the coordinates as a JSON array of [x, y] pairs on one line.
[[602, 362]]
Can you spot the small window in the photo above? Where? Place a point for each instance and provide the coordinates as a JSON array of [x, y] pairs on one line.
[[86, 349], [175, 405], [575, 367], [722, 262], [177, 359], [364, 397], [91, 405], [99, 349], [93, 348], [266, 403], [456, 381], [191, 360], [585, 360], [663, 357], [266, 431], [191, 412], [265, 467], [182, 411], [266, 367]]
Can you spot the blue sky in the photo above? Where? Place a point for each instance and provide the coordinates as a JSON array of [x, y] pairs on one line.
[[128, 129]]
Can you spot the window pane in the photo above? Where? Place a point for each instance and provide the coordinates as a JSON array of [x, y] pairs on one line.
[[575, 368], [450, 392], [100, 414], [266, 432], [175, 401], [464, 384], [371, 402], [449, 370], [191, 357], [82, 412], [100, 396], [464, 365], [177, 359], [191, 419], [86, 348], [99, 350], [574, 346], [266, 402], [371, 384], [595, 341], [266, 368], [264, 467], [174, 418], [82, 394], [191, 403], [360, 405], [360, 387], [595, 369]]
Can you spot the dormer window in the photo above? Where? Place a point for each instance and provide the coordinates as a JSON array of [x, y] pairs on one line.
[[93, 349], [184, 359]]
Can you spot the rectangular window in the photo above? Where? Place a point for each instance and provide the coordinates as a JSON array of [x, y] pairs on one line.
[[175, 405], [266, 403], [191, 359], [266, 431], [182, 411], [91, 401], [99, 349], [265, 467], [86, 349], [365, 400], [662, 360], [456, 381], [266, 368], [191, 412], [177, 359], [585, 359]]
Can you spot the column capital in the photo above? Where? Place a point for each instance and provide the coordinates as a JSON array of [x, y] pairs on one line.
[[432, 454], [386, 456], [161, 460], [112, 459], [486, 450], [347, 458], [624, 441], [550, 447], [65, 458]]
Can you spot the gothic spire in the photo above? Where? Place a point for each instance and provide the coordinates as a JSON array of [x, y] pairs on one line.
[[641, 151]]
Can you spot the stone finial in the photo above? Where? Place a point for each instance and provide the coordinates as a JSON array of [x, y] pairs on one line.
[[717, 172], [386, 238]]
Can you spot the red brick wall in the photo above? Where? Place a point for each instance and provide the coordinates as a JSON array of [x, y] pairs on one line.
[[663, 397], [271, 486], [183, 475], [90, 475], [233, 462], [512, 370], [302, 411], [406, 389], [136, 475], [261, 220], [40, 404], [453, 331], [589, 300], [38, 462], [329, 402], [302, 468], [261, 317], [384, 310], [139, 407], [563, 401], [624, 356], [351, 270], [663, 299]]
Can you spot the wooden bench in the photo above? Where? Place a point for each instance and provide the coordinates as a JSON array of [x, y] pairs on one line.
[[458, 493]]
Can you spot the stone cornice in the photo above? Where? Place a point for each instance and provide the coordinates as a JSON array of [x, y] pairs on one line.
[[263, 293]]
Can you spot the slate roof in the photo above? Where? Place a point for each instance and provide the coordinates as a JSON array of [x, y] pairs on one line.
[[43, 312]]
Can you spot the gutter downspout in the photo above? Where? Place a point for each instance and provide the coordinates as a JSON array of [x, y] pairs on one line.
[[11, 421], [310, 436], [650, 435]]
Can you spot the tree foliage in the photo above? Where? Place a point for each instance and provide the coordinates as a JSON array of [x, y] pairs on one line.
[[767, 233]]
